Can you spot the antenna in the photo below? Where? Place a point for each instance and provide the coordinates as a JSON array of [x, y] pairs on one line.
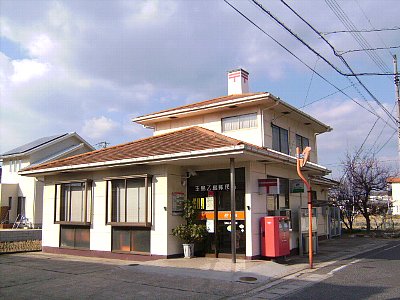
[[102, 145]]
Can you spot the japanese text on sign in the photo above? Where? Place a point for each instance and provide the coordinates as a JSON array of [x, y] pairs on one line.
[[211, 187]]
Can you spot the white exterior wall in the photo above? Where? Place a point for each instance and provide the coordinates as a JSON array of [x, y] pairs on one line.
[[50, 231], [161, 240], [396, 198], [258, 208], [293, 127], [175, 175], [159, 230], [100, 233], [212, 121]]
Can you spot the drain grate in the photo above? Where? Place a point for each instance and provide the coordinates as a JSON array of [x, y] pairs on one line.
[[133, 265], [248, 279]]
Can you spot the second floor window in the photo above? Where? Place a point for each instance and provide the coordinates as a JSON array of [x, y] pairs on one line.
[[302, 142], [239, 122], [280, 139]]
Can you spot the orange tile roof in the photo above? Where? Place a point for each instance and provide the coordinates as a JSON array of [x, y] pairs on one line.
[[189, 139], [206, 102], [393, 180]]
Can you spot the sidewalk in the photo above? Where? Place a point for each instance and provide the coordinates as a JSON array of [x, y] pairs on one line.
[[329, 251]]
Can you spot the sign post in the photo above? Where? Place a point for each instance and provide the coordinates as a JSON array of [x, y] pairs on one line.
[[301, 162]]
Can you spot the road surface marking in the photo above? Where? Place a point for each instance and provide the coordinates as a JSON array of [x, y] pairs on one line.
[[391, 247], [344, 266]]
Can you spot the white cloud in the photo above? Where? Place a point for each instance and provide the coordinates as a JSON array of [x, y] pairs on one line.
[[40, 45], [95, 64], [100, 127], [27, 69]]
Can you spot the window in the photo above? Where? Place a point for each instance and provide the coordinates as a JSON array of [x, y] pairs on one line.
[[77, 237], [21, 206], [239, 122], [73, 202], [11, 166], [131, 239], [129, 201], [280, 139], [302, 142]]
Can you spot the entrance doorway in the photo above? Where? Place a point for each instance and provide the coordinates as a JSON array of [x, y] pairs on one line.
[[211, 191]]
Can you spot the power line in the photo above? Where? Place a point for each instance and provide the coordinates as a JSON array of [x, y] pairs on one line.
[[336, 54], [322, 98], [370, 49], [311, 80], [342, 16], [372, 26], [380, 133], [312, 49], [388, 140], [298, 58], [361, 30]]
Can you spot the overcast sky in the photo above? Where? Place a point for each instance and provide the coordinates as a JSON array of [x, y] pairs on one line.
[[90, 66]]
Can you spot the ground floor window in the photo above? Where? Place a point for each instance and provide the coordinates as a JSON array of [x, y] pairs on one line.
[[76, 237], [73, 202], [136, 240], [129, 201]]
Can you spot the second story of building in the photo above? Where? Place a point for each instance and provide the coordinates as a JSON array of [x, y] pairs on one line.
[[39, 151], [259, 118]]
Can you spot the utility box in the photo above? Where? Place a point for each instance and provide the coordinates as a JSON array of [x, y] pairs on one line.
[[275, 236]]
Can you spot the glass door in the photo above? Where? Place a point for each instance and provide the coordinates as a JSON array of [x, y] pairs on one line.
[[211, 191]]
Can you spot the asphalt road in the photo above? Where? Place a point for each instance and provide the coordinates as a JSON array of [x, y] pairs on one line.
[[371, 275]]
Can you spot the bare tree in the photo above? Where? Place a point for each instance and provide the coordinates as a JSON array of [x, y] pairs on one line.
[[343, 198], [364, 174]]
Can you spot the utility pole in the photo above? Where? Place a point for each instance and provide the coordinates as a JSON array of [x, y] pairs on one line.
[[396, 83]]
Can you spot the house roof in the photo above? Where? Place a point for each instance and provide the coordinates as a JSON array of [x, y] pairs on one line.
[[189, 142], [229, 102], [204, 103], [393, 180], [32, 145], [41, 143]]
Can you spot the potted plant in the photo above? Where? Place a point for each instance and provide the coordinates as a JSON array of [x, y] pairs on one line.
[[190, 232]]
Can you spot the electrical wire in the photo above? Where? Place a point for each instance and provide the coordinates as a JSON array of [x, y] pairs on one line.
[[298, 58], [311, 80], [342, 16], [370, 49], [361, 30], [339, 56], [312, 49], [388, 140], [322, 98], [375, 30]]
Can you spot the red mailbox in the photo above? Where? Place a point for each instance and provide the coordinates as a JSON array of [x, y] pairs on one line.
[[275, 236]]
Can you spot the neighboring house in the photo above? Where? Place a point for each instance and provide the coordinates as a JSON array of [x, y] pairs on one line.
[[125, 199], [395, 183], [21, 197]]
